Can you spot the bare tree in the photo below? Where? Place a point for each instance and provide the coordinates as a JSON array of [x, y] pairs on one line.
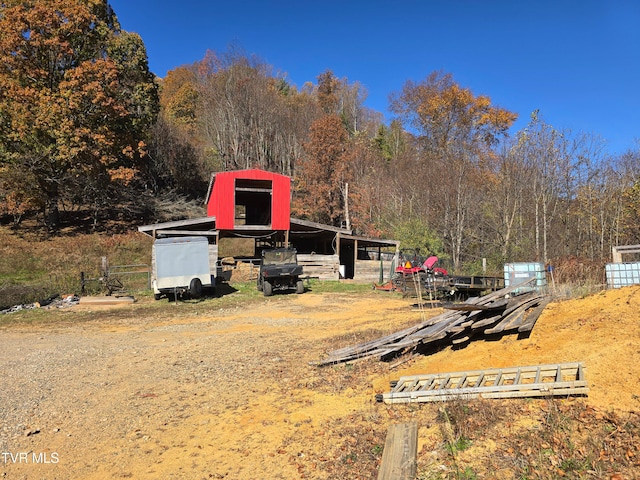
[[547, 153]]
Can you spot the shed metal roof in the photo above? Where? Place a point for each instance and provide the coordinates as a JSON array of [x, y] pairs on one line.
[[207, 226]]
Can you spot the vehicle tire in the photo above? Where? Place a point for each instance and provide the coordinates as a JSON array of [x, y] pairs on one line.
[[195, 288], [299, 286], [259, 285], [267, 289], [157, 296]]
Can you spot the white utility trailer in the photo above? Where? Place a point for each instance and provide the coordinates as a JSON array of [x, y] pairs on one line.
[[183, 265]]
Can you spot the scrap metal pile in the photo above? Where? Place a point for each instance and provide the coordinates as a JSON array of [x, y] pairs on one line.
[[419, 276], [509, 310], [54, 301]]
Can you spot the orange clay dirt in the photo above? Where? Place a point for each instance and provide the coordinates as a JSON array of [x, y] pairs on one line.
[[199, 391]]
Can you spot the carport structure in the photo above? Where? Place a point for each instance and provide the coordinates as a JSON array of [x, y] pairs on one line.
[[326, 252]]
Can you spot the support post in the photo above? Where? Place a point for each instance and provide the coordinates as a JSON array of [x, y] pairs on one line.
[[355, 257]]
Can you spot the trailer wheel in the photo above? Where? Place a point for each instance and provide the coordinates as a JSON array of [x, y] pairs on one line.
[[195, 288], [299, 286], [267, 289], [157, 296]]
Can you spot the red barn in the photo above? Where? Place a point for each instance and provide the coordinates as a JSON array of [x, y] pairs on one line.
[[249, 198]]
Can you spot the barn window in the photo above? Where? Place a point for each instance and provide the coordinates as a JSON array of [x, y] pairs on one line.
[[253, 202]]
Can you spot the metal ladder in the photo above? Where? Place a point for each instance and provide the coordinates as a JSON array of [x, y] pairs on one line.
[[535, 381]]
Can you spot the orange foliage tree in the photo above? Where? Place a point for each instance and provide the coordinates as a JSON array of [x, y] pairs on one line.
[[176, 146], [455, 132], [76, 101], [445, 114], [322, 176], [179, 98]]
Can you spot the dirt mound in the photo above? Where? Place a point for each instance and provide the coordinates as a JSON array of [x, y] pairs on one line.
[[601, 330]]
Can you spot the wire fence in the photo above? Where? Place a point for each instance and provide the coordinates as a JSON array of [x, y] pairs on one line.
[[117, 279]]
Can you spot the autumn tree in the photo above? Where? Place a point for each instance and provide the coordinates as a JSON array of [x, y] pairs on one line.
[[76, 101], [324, 173], [446, 115], [327, 92], [548, 156], [177, 163], [593, 206], [507, 188], [455, 131], [179, 98], [628, 227]]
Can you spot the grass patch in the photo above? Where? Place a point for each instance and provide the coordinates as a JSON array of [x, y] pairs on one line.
[[338, 286], [35, 267], [146, 309]]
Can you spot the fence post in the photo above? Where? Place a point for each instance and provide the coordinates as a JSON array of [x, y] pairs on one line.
[[105, 266]]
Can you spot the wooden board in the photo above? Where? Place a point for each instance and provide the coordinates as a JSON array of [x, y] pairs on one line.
[[465, 307], [369, 270], [400, 452], [532, 317], [324, 267], [110, 300]]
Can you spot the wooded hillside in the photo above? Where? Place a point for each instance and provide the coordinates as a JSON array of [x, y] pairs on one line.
[[84, 127]]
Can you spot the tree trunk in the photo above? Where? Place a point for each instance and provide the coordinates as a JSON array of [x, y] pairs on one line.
[[347, 218], [52, 214]]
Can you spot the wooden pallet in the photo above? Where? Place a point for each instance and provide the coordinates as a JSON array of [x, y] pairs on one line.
[[535, 381]]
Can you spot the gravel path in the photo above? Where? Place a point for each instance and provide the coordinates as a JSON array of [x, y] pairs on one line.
[[94, 398]]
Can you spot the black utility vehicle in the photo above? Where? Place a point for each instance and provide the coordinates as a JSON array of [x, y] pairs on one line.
[[279, 270]]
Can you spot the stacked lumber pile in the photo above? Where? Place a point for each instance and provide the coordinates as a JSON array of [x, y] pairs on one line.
[[324, 267], [497, 313]]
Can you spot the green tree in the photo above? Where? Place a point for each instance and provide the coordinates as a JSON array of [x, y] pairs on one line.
[[415, 234], [76, 101]]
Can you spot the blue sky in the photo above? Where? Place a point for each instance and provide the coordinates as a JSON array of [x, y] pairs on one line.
[[577, 61]]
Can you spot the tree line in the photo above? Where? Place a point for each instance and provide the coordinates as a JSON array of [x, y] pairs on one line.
[[84, 126]]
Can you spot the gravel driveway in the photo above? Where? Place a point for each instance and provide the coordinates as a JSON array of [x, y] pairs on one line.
[[123, 396]]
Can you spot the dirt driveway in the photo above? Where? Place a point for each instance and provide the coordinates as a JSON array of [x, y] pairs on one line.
[[201, 391]]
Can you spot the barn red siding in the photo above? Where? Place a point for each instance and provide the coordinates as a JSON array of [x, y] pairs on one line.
[[222, 198]]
